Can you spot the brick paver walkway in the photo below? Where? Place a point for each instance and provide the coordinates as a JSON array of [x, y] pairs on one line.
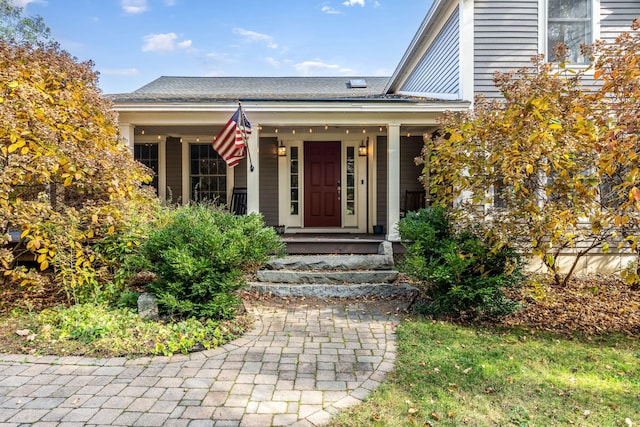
[[299, 366]]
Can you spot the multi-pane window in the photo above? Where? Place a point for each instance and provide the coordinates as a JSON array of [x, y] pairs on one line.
[[147, 154], [351, 181], [295, 181], [569, 22], [208, 173]]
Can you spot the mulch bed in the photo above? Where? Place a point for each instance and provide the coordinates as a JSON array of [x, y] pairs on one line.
[[592, 305]]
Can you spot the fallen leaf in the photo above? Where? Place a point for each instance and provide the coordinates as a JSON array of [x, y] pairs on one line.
[[412, 410], [23, 332], [466, 371], [435, 416]]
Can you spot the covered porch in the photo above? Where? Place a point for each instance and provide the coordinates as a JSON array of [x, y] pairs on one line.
[[311, 168]]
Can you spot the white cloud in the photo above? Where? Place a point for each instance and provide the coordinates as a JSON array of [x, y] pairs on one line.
[[133, 7], [252, 36], [169, 3], [308, 68], [164, 43], [121, 72], [217, 56], [273, 62], [329, 10], [353, 3], [24, 3]]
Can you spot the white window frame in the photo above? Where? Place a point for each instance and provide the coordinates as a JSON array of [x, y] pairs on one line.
[[543, 20]]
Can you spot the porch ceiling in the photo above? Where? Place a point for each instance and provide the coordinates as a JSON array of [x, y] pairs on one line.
[[212, 130]]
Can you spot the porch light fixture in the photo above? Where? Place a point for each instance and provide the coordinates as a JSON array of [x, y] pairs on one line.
[[362, 150], [282, 150]]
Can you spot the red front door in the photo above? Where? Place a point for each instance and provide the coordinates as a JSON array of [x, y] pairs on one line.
[[321, 184]]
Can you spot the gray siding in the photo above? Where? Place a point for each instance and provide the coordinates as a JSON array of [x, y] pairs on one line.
[[616, 17], [269, 180], [240, 173], [174, 170], [381, 184], [438, 69], [506, 37]]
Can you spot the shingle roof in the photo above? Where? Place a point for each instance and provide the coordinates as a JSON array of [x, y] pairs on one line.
[[273, 88]]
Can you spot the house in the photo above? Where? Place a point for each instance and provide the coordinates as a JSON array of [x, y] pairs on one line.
[[336, 154]]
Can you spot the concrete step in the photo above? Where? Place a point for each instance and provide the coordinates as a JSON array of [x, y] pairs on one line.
[[324, 291], [327, 277]]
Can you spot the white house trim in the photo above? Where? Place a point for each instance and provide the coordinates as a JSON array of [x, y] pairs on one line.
[[393, 182], [466, 50]]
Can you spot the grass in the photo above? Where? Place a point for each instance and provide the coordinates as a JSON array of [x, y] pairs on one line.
[[452, 375]]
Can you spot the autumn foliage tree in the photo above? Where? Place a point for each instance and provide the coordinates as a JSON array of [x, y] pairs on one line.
[[68, 184], [553, 165], [617, 69]]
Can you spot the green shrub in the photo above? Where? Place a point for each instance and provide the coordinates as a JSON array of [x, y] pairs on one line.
[[200, 256], [458, 271]]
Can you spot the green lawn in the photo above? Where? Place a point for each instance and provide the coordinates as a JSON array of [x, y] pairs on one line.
[[451, 375]]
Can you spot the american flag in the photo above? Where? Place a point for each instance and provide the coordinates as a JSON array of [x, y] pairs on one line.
[[230, 142]]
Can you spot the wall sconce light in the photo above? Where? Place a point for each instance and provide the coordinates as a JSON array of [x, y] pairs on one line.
[[282, 150], [362, 149]]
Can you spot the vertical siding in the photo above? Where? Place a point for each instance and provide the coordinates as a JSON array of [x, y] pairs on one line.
[[174, 169], [240, 173], [381, 184], [269, 180], [438, 69], [616, 17], [506, 37], [410, 148]]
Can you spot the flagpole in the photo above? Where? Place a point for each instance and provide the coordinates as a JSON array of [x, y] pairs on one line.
[[244, 136]]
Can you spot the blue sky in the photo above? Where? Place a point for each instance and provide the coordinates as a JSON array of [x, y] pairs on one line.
[[133, 42]]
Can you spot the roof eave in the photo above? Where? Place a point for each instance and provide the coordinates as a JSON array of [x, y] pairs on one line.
[[299, 106]]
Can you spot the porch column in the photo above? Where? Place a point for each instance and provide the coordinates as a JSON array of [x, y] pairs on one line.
[[253, 177], [393, 182], [127, 133]]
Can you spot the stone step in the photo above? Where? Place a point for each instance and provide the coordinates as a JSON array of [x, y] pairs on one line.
[[382, 260], [327, 277], [331, 262], [324, 291]]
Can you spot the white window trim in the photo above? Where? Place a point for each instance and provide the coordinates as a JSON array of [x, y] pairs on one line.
[[543, 18]]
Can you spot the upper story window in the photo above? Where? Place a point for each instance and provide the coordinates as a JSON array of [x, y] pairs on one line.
[[569, 22]]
